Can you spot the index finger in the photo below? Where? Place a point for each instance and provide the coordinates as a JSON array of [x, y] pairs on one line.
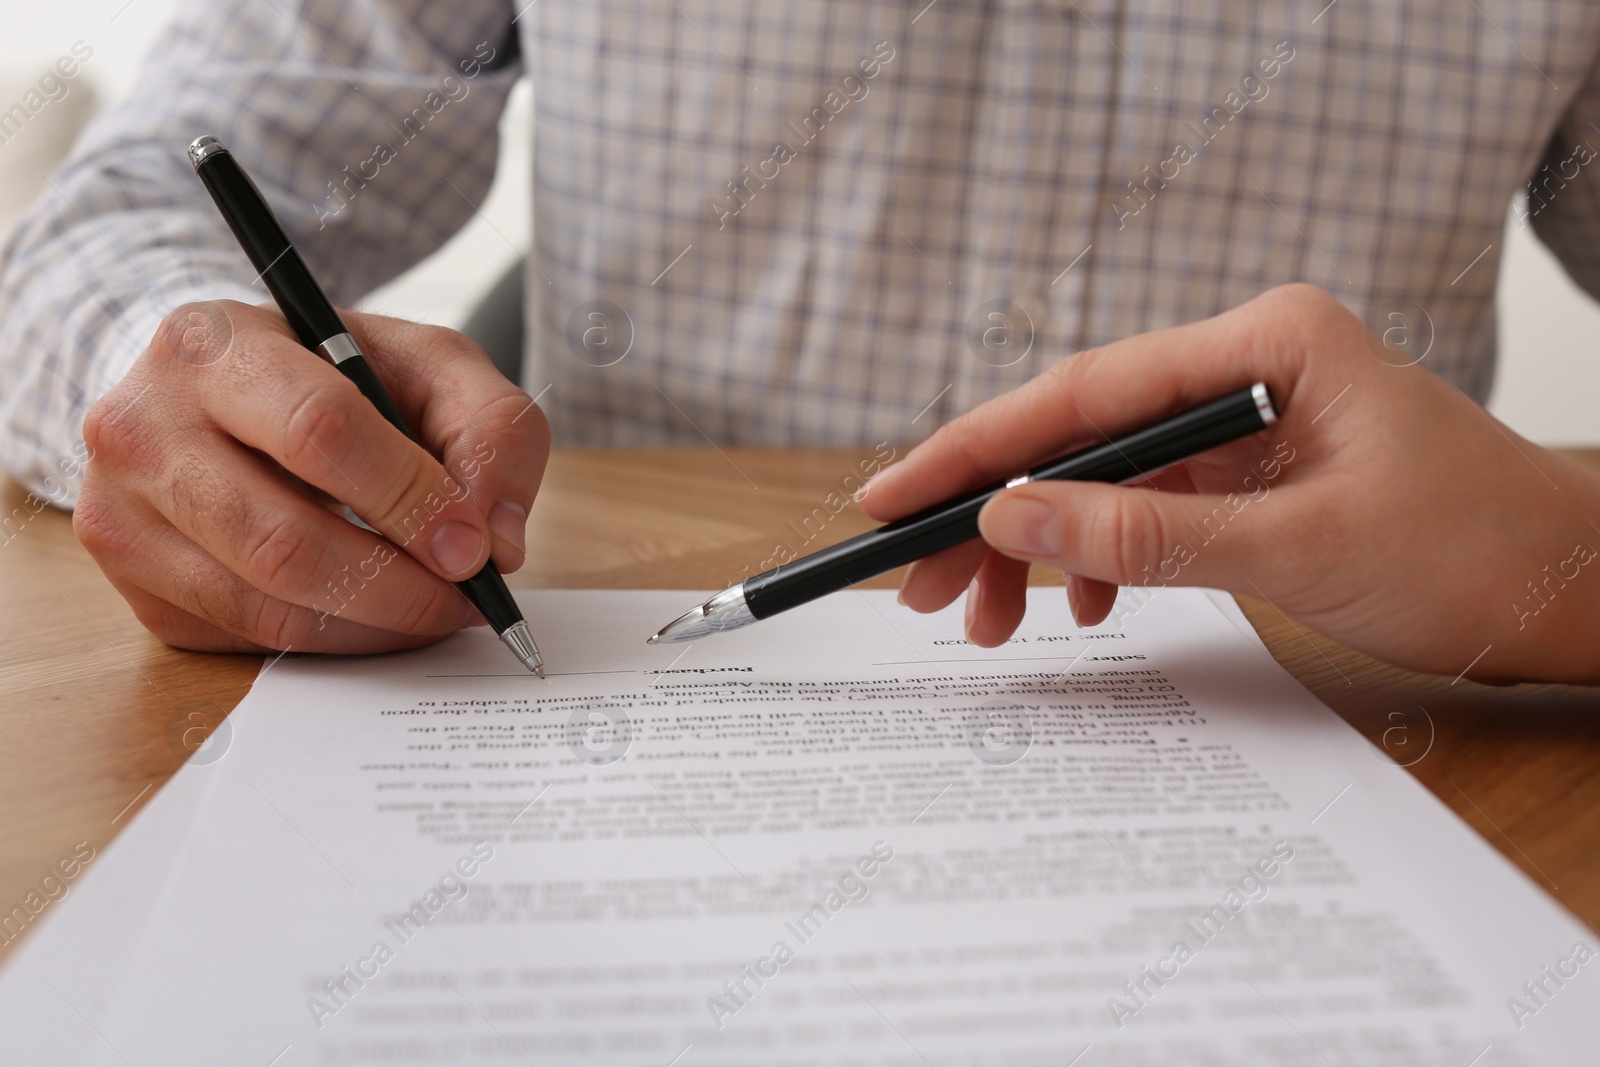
[[287, 402], [1096, 394]]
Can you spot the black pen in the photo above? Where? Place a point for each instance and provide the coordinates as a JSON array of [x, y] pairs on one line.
[[952, 522], [320, 329]]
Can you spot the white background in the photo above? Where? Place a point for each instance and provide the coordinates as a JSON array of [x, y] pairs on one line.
[[1549, 378]]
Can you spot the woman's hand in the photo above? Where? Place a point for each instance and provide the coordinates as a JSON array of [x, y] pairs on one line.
[[1386, 509]]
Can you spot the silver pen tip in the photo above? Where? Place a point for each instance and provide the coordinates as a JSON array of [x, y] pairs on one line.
[[520, 642], [653, 639], [728, 610]]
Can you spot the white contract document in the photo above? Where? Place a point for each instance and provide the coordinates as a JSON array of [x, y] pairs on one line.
[[841, 836]]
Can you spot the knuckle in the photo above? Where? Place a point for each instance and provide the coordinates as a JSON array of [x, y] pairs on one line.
[[1071, 377], [411, 500], [190, 488], [1129, 533], [968, 452], [114, 427], [174, 324], [218, 603], [281, 557], [428, 609], [96, 425], [511, 424], [98, 525], [320, 427], [1064, 372], [169, 331], [964, 444], [193, 335], [516, 417], [279, 625]]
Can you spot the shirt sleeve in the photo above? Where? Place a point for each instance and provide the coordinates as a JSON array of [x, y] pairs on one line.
[[371, 126], [1563, 193]]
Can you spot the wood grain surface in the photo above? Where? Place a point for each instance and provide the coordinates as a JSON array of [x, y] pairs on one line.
[[96, 715]]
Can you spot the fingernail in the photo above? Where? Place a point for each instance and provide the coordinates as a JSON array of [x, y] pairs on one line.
[[457, 548], [861, 494], [509, 520], [900, 597], [974, 597], [1023, 525], [1072, 601]]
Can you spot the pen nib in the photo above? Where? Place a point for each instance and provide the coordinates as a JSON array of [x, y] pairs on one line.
[[728, 610], [520, 641]]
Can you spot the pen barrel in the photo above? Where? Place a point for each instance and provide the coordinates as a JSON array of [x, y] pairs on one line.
[[487, 589], [359, 371], [275, 259], [488, 593], [864, 556], [954, 522]]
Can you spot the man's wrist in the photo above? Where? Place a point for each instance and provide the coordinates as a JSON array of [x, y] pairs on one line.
[[1553, 618]]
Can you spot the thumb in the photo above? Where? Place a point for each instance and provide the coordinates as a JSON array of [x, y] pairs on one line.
[[1132, 536]]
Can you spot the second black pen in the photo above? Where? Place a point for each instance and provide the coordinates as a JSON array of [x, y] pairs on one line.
[[947, 524]]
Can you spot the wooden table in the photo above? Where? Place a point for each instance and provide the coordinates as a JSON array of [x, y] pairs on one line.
[[95, 715]]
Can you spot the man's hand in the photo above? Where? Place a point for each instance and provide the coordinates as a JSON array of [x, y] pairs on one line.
[[218, 459], [1386, 509]]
